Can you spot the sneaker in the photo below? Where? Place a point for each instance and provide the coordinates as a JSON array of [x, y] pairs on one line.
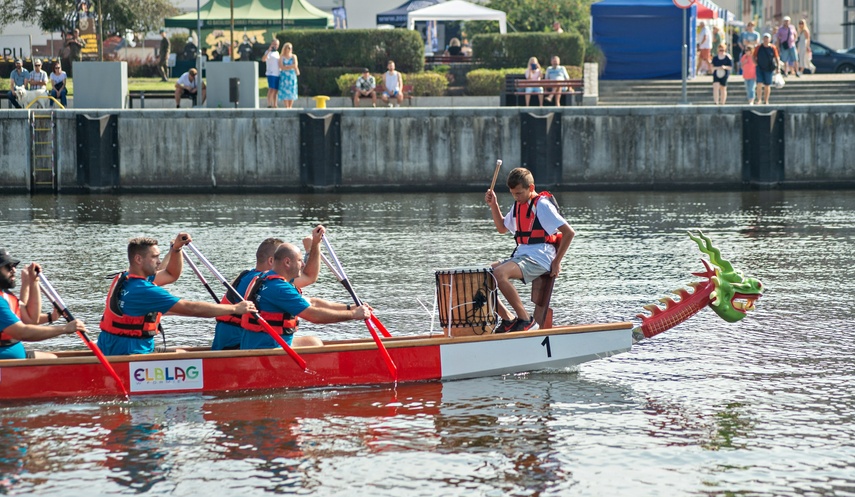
[[529, 325], [506, 326]]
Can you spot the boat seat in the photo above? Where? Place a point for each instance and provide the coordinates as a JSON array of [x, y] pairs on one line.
[[541, 295]]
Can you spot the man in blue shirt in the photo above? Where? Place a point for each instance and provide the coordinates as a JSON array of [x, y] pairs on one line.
[[228, 333], [136, 301], [20, 318], [18, 77], [280, 302]]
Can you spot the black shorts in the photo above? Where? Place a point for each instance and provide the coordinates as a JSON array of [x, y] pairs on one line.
[[721, 81]]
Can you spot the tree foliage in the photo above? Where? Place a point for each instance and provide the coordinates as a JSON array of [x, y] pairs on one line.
[[58, 15], [538, 15]]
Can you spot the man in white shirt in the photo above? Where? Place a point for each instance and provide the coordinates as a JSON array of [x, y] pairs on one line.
[[704, 47], [187, 86], [394, 82]]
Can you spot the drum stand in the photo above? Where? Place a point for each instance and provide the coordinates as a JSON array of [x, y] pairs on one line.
[[541, 295]]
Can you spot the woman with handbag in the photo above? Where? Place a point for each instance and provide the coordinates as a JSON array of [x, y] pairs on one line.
[[766, 57], [722, 65]]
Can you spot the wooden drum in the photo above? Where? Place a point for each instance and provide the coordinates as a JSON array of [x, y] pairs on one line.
[[467, 300]]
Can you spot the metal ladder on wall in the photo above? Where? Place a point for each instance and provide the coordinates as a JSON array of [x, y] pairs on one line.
[[43, 151]]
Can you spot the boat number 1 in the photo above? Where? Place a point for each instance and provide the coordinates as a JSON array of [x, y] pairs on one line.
[[545, 343]]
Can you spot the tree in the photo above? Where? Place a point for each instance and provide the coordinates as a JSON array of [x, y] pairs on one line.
[[58, 15], [538, 15]]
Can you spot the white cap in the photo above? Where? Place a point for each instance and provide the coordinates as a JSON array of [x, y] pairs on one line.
[[787, 18]]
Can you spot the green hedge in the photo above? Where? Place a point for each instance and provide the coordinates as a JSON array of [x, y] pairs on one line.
[[489, 82], [371, 48], [496, 51], [425, 84]]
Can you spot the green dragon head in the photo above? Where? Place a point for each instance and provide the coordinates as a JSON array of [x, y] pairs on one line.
[[734, 294]]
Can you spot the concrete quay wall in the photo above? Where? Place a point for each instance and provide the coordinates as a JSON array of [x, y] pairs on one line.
[[438, 149]]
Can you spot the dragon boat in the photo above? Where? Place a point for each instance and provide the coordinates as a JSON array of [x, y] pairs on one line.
[[466, 348]]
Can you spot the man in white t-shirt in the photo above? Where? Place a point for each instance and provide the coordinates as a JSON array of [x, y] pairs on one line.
[[187, 86], [705, 43], [271, 58]]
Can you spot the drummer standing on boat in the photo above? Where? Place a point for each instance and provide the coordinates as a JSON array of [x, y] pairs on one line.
[[228, 333], [20, 317], [542, 237], [281, 303], [136, 301]]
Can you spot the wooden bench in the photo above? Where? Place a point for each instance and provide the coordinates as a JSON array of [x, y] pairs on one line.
[[151, 95], [447, 59], [379, 89], [573, 87]]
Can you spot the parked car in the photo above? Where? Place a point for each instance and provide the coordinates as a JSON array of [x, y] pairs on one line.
[[827, 60]]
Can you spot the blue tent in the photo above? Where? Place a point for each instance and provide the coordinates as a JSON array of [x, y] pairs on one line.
[[643, 39]]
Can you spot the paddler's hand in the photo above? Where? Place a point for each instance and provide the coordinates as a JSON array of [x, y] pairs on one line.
[[362, 312], [29, 274], [245, 307], [180, 241], [74, 326], [490, 198], [317, 234]]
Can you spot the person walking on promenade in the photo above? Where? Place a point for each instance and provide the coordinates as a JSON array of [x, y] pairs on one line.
[[766, 58], [542, 238], [136, 302], [163, 56], [271, 58], [21, 317], [533, 72], [803, 48], [288, 72], [722, 65], [786, 41], [280, 302], [749, 73], [704, 48]]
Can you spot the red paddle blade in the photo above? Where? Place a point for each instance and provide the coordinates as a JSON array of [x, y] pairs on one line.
[[390, 364], [376, 321], [282, 343], [100, 355]]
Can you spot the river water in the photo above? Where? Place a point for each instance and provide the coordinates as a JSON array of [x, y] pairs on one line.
[[761, 407]]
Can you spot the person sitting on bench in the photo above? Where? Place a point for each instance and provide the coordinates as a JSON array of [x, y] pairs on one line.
[[187, 87]]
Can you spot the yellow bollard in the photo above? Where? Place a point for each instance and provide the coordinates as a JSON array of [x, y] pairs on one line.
[[321, 101]]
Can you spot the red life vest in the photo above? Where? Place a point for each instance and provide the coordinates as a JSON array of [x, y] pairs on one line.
[[281, 322], [15, 307], [529, 230], [233, 319], [113, 321]]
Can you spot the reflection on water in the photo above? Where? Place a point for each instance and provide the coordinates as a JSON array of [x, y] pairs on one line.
[[759, 408]]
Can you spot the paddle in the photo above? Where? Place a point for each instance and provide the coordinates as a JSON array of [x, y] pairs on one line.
[[195, 269], [269, 329], [342, 277], [57, 302], [496, 173]]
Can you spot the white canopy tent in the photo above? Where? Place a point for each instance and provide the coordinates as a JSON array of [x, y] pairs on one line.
[[458, 10]]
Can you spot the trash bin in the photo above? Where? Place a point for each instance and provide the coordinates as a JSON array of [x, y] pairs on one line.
[[234, 91], [321, 101]]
